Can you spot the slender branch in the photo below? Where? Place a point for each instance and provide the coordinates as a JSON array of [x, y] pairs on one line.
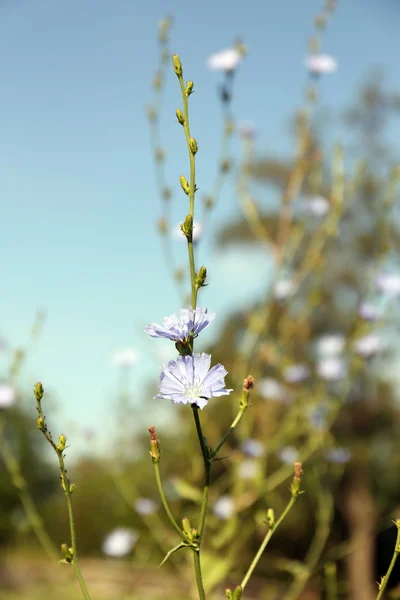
[[199, 578], [70, 554], [207, 467], [165, 503], [385, 579], [265, 543]]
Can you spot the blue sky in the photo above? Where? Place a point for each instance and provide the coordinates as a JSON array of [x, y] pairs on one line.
[[78, 199]]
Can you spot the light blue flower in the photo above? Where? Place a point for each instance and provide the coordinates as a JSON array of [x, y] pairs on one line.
[[253, 447], [296, 373], [288, 454], [224, 508], [189, 380], [179, 328], [338, 455]]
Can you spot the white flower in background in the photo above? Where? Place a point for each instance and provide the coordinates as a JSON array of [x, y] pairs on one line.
[[225, 60], [145, 506], [197, 231], [120, 542], [296, 373], [339, 456], [285, 288], [7, 395], [253, 447], [224, 508], [317, 206], [321, 64], [125, 358], [389, 283], [331, 368], [271, 389], [331, 344], [369, 312], [368, 345], [248, 469], [288, 455]]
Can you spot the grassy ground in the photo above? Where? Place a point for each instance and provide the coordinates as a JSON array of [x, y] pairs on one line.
[[26, 576]]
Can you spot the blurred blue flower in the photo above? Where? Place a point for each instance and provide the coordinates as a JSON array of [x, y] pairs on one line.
[[179, 328], [331, 368], [253, 447], [317, 206], [338, 455], [224, 507], [284, 288], [331, 344], [120, 542], [296, 373], [7, 395], [189, 380], [271, 389], [369, 311], [321, 64], [288, 454], [368, 345], [248, 469], [145, 506], [388, 283]]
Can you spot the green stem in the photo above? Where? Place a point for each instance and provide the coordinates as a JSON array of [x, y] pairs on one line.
[[165, 503], [396, 552], [207, 466], [331, 581], [66, 487], [32, 514], [199, 578], [230, 430], [192, 188], [265, 542]]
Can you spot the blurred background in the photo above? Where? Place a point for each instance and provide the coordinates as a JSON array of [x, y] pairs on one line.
[[297, 222]]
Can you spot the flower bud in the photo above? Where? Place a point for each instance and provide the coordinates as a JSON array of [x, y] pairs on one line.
[[160, 154], [187, 528], [189, 88], [158, 80], [151, 113], [193, 146], [201, 277], [162, 225], [154, 445], [270, 518], [184, 184], [167, 193], [177, 64], [228, 594], [248, 383], [38, 391], [208, 202], [67, 553], [62, 440], [226, 165], [237, 594], [295, 487], [40, 424], [179, 116], [187, 227]]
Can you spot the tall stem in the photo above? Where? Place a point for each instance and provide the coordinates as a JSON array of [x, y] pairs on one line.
[[199, 578], [265, 542], [164, 501], [396, 552]]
